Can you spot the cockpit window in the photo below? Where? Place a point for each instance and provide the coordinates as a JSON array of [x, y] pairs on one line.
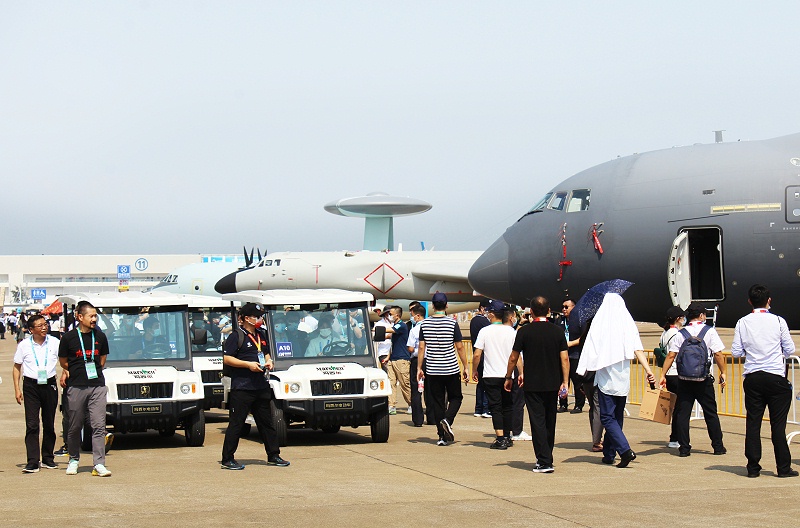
[[578, 200], [540, 204], [557, 201]]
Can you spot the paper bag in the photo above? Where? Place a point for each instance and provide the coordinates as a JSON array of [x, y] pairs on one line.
[[657, 405]]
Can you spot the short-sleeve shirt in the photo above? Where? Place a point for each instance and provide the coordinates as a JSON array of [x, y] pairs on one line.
[[413, 340], [243, 378], [440, 334], [46, 354], [496, 342], [400, 342], [70, 348], [713, 342], [541, 344]]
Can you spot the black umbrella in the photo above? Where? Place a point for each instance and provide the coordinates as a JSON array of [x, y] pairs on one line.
[[587, 306]]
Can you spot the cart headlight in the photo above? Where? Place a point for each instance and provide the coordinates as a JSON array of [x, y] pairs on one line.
[[186, 388], [373, 384], [294, 387]]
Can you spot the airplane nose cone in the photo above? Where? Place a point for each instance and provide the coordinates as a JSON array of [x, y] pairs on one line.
[[489, 274], [226, 284]]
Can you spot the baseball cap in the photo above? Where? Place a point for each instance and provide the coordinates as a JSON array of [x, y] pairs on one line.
[[674, 312], [439, 297], [496, 306], [251, 310]]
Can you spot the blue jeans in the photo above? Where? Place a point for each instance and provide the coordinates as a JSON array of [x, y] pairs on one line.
[[612, 412]]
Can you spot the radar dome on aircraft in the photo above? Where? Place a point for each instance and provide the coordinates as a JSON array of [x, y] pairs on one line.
[[378, 210]]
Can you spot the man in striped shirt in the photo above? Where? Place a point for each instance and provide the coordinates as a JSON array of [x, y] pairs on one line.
[[439, 341]]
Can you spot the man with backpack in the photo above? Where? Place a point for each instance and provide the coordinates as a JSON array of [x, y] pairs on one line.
[[763, 339], [692, 349]]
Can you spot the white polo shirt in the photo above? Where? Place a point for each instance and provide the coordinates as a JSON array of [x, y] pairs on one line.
[[46, 354]]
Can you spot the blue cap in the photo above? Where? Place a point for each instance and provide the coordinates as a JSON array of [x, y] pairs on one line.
[[496, 306], [439, 297]]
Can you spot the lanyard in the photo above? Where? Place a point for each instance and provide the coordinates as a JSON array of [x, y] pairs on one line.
[[256, 342], [33, 351], [83, 348]]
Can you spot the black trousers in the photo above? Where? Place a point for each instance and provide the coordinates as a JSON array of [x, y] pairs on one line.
[[577, 381], [500, 404], [40, 399], [417, 413], [518, 408], [242, 403], [703, 393], [542, 410], [445, 398], [761, 390]]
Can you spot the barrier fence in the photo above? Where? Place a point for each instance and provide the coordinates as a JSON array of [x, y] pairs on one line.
[[730, 402]]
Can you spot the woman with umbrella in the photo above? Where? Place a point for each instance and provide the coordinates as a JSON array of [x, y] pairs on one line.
[[611, 343]]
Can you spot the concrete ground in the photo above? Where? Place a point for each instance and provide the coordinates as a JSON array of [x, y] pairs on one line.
[[346, 480]]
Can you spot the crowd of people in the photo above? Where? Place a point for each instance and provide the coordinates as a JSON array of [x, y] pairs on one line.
[[519, 361]]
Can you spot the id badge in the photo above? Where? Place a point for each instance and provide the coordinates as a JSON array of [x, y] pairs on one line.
[[91, 371], [42, 377], [261, 359]]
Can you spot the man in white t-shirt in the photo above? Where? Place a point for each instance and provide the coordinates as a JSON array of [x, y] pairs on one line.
[[417, 412], [494, 343]]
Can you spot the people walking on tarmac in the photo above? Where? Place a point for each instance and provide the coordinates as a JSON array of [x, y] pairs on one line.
[[35, 362], [674, 322], [82, 354], [592, 395], [612, 341], [493, 347], [399, 359], [479, 321], [248, 356], [417, 392], [3, 323], [763, 340], [544, 377], [699, 390], [440, 347]]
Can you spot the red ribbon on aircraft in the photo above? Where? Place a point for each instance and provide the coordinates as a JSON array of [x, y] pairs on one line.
[[597, 245]]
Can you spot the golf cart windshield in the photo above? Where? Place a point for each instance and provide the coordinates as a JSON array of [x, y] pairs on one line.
[[144, 334]]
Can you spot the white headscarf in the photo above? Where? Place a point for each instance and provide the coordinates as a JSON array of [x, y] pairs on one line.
[[612, 338]]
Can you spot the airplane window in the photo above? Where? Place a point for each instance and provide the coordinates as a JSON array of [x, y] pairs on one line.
[[578, 200], [557, 201], [541, 203]]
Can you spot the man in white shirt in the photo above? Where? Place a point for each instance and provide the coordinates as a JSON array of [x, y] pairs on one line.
[[700, 391], [494, 344], [417, 413], [35, 362], [763, 340]]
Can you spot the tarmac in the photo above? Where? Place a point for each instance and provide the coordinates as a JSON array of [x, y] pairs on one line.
[[344, 479]]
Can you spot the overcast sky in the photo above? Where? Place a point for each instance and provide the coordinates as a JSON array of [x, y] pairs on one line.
[[200, 126]]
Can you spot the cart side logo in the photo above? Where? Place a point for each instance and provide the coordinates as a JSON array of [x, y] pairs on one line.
[[144, 390], [331, 371], [337, 386], [142, 373]]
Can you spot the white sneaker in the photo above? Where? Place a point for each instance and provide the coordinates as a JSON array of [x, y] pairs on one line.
[[477, 415], [72, 467], [409, 410], [674, 445], [486, 415], [100, 471], [522, 436]]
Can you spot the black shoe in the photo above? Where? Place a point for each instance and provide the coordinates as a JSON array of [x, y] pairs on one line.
[[50, 464], [509, 442], [790, 473], [499, 443], [605, 460], [562, 409], [231, 464], [720, 451], [626, 458], [277, 461], [753, 474], [63, 451], [447, 431], [417, 425], [31, 468], [684, 453], [576, 410]]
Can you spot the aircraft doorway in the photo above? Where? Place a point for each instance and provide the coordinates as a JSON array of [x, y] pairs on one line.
[[695, 266]]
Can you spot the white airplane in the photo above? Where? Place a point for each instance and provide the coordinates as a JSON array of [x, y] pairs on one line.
[[384, 274]]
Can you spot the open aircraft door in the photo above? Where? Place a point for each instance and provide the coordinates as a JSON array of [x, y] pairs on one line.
[[680, 280], [695, 266]]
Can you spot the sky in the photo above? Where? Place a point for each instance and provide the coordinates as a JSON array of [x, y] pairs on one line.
[[138, 127]]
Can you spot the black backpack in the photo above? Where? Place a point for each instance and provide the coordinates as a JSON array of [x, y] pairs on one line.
[[226, 370], [693, 362]]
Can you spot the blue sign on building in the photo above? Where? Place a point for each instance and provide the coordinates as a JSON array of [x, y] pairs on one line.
[[124, 272], [38, 294]]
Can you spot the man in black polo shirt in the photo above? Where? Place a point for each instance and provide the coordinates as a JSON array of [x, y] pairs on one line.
[[247, 353], [544, 376]]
